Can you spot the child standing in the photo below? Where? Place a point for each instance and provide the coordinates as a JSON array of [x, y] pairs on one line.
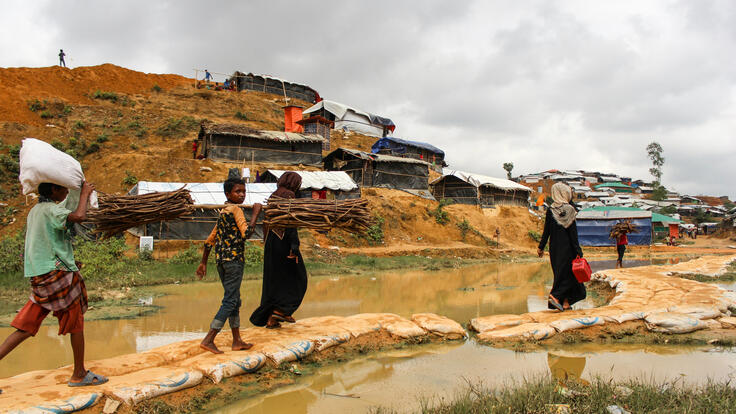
[[228, 239], [56, 285]]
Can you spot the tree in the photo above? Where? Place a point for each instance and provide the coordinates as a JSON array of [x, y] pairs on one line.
[[508, 166], [654, 152]]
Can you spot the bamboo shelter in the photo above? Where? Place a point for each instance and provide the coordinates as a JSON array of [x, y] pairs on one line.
[[468, 188], [376, 170], [239, 143]]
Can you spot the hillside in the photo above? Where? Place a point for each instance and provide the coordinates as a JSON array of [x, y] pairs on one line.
[[126, 126]]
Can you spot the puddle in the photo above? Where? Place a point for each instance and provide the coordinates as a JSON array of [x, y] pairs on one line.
[[401, 379]]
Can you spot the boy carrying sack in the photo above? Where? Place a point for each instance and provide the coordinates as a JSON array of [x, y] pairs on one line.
[[228, 239], [56, 284]]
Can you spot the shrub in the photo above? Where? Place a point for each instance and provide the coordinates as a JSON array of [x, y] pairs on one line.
[[145, 255], [534, 235], [11, 253], [78, 125], [102, 138], [464, 227], [241, 115], [177, 128], [10, 164], [440, 215], [129, 179], [104, 95], [67, 110], [36, 105], [101, 258], [46, 114], [156, 89], [190, 255], [133, 147], [57, 144], [92, 148], [253, 254], [374, 234]]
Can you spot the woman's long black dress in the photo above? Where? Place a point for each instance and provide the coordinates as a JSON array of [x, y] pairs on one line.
[[563, 248], [284, 280]]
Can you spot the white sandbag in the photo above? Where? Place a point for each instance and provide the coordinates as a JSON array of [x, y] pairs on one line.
[[562, 325], [700, 312], [75, 403], [404, 329], [538, 331], [291, 352], [727, 322], [712, 324], [328, 341], [670, 322], [42, 163], [175, 382], [439, 325], [235, 367], [624, 316], [494, 322]]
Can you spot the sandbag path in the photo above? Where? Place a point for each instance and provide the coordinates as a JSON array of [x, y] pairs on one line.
[[653, 294], [137, 377]]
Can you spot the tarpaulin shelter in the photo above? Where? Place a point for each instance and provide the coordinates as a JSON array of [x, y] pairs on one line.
[[276, 86], [208, 198], [237, 143], [375, 170], [617, 187], [595, 224], [351, 119], [411, 149], [468, 188], [338, 184], [665, 226]]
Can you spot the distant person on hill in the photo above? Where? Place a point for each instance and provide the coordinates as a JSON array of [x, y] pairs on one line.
[[284, 274], [61, 58], [621, 243], [228, 239], [56, 284], [562, 233], [207, 75], [195, 144]]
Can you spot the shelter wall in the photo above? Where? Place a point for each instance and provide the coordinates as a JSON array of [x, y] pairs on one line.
[[273, 86], [596, 232], [490, 196], [234, 148], [456, 190], [401, 175]]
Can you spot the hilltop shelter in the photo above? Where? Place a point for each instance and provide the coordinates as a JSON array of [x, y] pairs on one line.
[[468, 188], [595, 224], [376, 170], [208, 198], [276, 86], [411, 149], [239, 143], [617, 187], [335, 185], [665, 226], [348, 118]]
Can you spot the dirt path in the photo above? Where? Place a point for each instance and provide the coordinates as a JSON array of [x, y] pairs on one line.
[[653, 295], [138, 377]]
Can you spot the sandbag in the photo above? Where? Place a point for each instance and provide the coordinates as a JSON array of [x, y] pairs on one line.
[[700, 312], [136, 393], [538, 331], [671, 322], [290, 352], [494, 322], [727, 322], [624, 316], [439, 325], [42, 163], [328, 341], [562, 325], [404, 329], [70, 405], [234, 367]]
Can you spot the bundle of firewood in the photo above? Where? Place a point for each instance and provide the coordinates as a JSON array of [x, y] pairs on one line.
[[350, 215], [621, 228], [119, 213]]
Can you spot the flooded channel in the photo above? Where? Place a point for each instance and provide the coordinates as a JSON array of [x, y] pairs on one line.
[[396, 379]]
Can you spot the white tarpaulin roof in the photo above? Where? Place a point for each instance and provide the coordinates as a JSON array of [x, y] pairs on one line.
[[318, 180], [335, 108], [208, 193], [480, 180]]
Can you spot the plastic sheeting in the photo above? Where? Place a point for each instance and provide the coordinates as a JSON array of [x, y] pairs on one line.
[[399, 145], [321, 180], [353, 119], [207, 193], [478, 180], [596, 232]]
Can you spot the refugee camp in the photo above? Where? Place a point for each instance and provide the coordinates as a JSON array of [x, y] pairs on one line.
[[385, 207]]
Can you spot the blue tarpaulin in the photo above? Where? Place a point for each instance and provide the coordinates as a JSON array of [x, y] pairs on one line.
[[398, 145], [595, 224]]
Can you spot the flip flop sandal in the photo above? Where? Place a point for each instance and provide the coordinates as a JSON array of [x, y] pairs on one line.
[[555, 304], [90, 379], [283, 318]]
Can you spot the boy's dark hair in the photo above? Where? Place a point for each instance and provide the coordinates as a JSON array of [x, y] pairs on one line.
[[45, 189], [232, 182]]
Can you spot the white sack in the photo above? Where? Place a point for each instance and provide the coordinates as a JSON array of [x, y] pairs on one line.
[[670, 322], [562, 325], [42, 163]]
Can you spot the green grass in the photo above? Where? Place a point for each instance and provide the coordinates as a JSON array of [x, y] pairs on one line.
[[177, 128], [535, 396]]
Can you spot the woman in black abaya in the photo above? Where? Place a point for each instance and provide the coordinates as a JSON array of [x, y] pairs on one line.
[[560, 229], [284, 275]]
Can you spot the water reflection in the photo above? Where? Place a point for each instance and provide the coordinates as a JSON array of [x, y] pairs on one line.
[[565, 368]]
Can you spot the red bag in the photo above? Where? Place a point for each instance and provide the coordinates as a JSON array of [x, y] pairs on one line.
[[581, 269]]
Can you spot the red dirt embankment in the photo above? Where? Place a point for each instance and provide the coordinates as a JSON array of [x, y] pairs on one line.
[[71, 85]]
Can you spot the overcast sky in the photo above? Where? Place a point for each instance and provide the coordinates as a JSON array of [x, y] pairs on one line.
[[564, 84]]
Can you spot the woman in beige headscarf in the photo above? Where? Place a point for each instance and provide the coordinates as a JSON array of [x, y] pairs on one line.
[[562, 233]]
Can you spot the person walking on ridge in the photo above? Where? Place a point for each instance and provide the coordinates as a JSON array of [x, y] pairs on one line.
[[207, 76], [562, 233], [61, 58]]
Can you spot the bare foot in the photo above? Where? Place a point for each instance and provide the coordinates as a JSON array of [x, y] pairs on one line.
[[210, 346], [241, 346]]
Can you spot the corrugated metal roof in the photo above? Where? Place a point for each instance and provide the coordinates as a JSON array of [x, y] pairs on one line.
[[481, 180], [208, 193], [616, 185], [319, 180], [605, 213], [245, 131]]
